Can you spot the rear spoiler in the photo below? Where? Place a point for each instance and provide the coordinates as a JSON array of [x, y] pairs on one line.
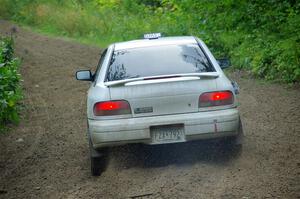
[[206, 75]]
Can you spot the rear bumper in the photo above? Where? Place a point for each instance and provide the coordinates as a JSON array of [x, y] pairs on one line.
[[200, 125]]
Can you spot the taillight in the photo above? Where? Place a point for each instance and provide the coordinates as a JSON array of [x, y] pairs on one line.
[[107, 108], [218, 98]]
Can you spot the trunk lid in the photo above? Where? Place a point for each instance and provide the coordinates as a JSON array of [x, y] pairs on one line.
[[163, 97]]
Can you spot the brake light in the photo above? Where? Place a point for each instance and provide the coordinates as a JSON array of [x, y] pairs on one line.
[[107, 108], [219, 98]]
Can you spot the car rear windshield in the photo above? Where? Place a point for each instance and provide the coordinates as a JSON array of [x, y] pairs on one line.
[[157, 60]]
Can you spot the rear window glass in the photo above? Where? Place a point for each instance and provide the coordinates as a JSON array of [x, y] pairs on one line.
[[157, 60]]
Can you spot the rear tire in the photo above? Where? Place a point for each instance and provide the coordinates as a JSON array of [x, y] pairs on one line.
[[98, 160], [97, 166]]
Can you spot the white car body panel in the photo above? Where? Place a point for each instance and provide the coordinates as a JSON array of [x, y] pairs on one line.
[[199, 125], [164, 97]]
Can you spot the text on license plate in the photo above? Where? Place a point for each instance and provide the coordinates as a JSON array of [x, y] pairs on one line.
[[167, 134]]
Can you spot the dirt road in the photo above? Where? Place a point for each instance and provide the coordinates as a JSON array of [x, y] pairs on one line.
[[46, 156]]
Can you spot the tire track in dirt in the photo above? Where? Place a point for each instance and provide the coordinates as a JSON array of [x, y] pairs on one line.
[[52, 162]]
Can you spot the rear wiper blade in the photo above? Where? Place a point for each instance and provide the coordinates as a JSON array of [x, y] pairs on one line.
[[200, 75]]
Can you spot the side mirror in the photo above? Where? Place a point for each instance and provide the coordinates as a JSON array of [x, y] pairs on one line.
[[84, 75], [224, 63]]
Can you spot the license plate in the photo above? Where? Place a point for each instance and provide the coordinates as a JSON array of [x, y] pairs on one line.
[[167, 134]]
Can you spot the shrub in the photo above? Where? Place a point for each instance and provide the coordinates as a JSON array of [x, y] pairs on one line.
[[10, 91]]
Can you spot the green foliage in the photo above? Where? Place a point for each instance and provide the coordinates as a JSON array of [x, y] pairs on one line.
[[10, 91], [261, 36]]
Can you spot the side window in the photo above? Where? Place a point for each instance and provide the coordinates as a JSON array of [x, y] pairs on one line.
[[100, 64]]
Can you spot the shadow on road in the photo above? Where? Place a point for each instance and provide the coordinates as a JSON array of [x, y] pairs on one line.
[[147, 156]]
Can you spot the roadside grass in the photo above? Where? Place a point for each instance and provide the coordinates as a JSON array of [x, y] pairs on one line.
[[262, 37], [49, 32]]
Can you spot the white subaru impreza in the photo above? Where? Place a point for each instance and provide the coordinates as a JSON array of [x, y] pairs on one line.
[[158, 90]]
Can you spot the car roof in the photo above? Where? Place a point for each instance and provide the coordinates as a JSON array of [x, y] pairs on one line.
[[155, 42]]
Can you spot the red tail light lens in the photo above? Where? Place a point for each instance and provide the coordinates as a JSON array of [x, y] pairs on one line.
[[108, 108], [219, 98]]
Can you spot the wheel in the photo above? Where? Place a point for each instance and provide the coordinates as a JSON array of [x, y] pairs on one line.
[[97, 165], [98, 160]]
